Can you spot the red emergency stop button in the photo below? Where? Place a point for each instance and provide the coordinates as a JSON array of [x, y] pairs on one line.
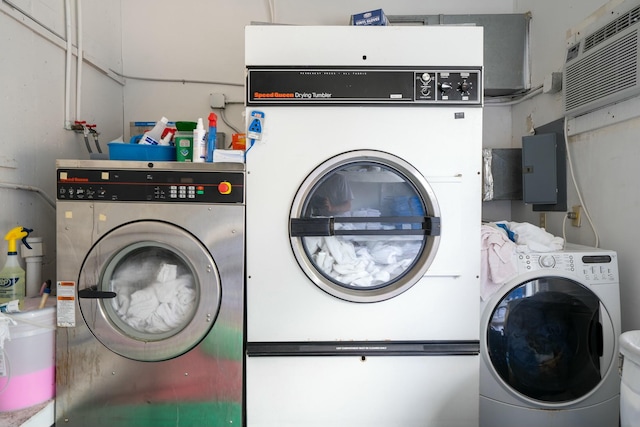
[[224, 187]]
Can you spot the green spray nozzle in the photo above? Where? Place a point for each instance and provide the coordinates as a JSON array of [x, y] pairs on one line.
[[17, 233]]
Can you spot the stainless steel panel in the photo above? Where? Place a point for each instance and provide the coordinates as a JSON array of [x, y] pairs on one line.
[[141, 165], [203, 387]]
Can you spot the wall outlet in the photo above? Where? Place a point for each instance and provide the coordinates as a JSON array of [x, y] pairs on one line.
[[543, 220], [575, 215]]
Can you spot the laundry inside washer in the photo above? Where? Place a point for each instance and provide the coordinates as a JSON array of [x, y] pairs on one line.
[[155, 289], [542, 339], [549, 340]]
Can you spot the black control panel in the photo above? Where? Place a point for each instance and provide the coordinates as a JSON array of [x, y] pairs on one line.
[[150, 186], [447, 86], [383, 86]]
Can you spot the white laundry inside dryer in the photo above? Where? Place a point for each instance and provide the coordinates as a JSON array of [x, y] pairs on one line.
[[360, 259], [362, 262]]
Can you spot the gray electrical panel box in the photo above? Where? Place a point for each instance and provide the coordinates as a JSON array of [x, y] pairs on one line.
[[539, 178], [544, 172]]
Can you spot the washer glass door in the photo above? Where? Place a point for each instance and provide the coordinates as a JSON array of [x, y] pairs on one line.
[[149, 291], [545, 340], [365, 226]]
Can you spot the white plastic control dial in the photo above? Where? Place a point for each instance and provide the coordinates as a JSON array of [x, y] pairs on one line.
[[547, 261]]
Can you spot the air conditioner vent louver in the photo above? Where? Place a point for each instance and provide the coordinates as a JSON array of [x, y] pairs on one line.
[[603, 68], [607, 71], [620, 24]]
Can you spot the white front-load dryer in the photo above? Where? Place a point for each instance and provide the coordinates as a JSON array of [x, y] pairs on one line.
[[549, 342], [367, 303]]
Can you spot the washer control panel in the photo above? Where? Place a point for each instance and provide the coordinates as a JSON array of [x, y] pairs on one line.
[[590, 267], [113, 185]]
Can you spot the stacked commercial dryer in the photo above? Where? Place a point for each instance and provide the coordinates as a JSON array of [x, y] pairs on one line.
[[363, 217]]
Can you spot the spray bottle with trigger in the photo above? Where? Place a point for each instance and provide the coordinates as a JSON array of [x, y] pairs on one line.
[[211, 136], [12, 277]]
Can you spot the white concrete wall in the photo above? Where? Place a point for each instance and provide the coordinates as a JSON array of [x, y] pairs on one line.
[[204, 41], [32, 107]]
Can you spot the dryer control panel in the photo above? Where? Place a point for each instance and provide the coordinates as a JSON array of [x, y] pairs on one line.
[[593, 268], [114, 185], [364, 85]]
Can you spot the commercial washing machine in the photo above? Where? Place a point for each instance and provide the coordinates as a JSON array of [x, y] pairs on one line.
[[150, 293], [550, 342], [363, 210]]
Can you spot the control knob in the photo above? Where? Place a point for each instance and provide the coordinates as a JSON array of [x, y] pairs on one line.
[[547, 261], [444, 87], [425, 89], [464, 86]]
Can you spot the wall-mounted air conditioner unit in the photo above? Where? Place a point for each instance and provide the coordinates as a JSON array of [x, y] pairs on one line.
[[602, 67]]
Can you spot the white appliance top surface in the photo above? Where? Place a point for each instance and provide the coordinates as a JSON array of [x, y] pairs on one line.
[[287, 45]]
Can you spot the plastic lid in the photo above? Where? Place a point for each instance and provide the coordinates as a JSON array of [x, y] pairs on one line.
[[213, 120], [186, 126], [168, 131], [630, 345]]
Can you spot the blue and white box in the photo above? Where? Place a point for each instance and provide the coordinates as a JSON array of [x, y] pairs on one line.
[[373, 17]]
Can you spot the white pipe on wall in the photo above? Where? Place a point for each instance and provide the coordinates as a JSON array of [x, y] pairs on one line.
[[37, 190], [67, 82], [52, 36], [79, 60]]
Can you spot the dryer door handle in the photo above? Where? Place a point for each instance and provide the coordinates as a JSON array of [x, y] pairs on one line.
[[600, 338], [596, 338], [325, 226], [93, 293]]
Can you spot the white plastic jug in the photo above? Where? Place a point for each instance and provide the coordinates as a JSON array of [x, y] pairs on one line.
[[630, 384]]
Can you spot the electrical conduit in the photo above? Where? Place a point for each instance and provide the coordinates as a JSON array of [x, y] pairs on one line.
[[79, 59], [67, 83]]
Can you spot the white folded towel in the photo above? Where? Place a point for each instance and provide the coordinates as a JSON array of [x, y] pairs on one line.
[[531, 238]]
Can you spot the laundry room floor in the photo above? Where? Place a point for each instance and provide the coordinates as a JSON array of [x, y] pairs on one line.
[[39, 415]]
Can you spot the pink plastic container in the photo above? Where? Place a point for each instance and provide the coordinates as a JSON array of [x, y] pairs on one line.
[[29, 359]]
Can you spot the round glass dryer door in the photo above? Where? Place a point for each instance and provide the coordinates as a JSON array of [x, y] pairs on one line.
[[149, 291], [545, 340], [365, 226]]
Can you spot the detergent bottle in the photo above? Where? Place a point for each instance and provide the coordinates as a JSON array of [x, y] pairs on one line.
[[154, 136], [12, 276], [199, 143]]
